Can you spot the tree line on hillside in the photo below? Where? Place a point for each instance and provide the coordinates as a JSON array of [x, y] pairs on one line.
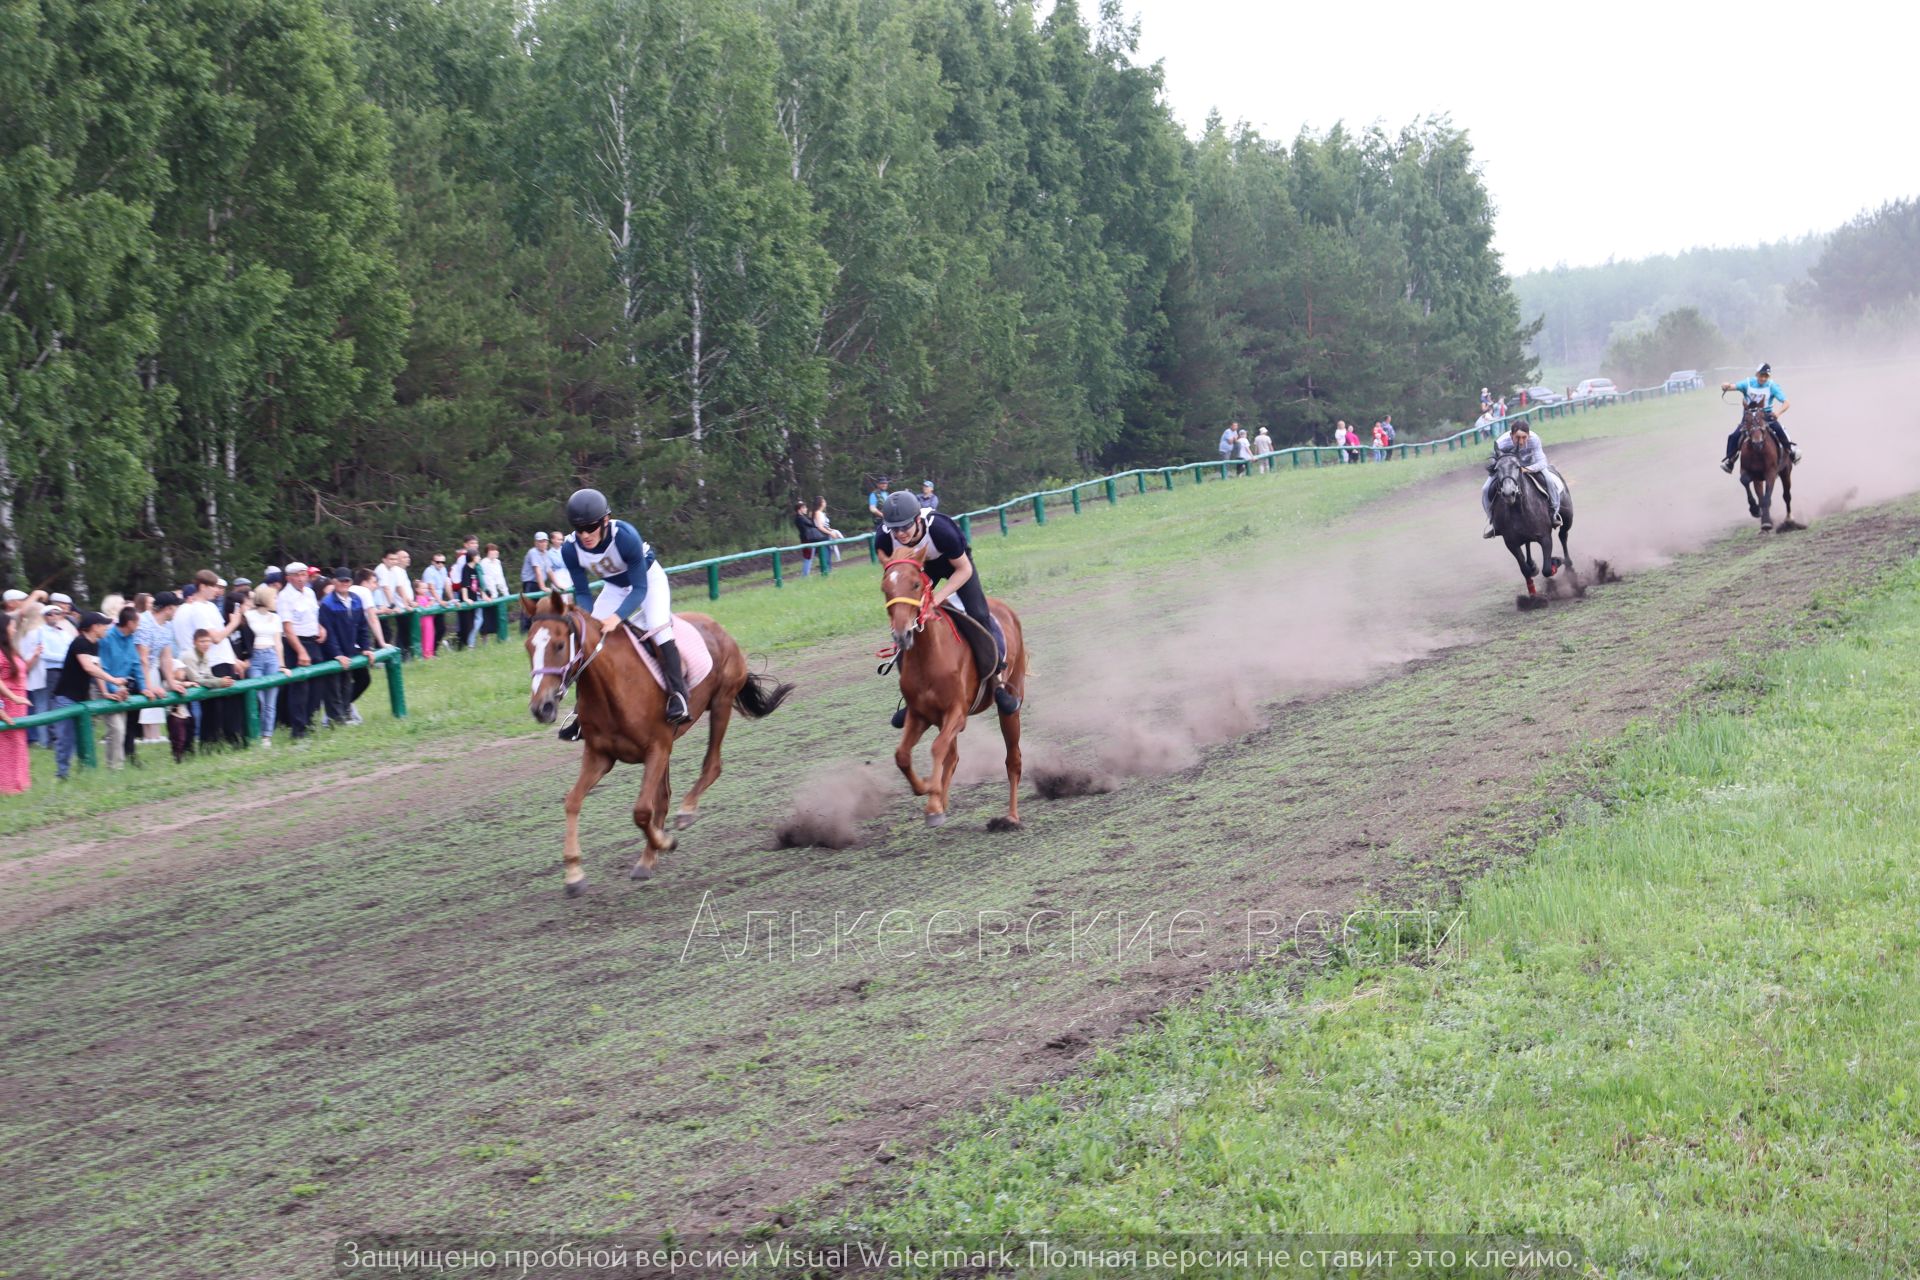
[[315, 277], [1863, 289]]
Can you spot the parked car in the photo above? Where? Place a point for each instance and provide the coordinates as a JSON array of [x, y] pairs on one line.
[[1543, 395], [1596, 389], [1685, 380]]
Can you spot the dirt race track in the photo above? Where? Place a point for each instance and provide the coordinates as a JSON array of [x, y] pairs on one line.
[[274, 1020]]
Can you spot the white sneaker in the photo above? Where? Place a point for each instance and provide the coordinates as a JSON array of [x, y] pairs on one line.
[[266, 743], [1794, 449]]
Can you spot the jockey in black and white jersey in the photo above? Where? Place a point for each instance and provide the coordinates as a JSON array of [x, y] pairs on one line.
[[631, 581], [936, 540]]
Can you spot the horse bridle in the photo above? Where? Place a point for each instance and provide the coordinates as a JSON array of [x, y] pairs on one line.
[[578, 655], [920, 602]]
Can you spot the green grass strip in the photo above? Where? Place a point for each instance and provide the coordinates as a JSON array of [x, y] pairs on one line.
[[1684, 1032]]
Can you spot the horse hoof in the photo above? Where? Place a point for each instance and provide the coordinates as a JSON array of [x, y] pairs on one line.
[[670, 845], [576, 887], [936, 819], [641, 871], [1005, 824], [681, 821]]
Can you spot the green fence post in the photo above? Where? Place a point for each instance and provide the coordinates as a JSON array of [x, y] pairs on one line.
[[1199, 475], [83, 741], [1113, 493], [873, 548], [1140, 482], [824, 561], [252, 700], [1166, 473], [1003, 520], [1076, 501], [396, 688], [966, 526], [1039, 508], [828, 555], [713, 582]]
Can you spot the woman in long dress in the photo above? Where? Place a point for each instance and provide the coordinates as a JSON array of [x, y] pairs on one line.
[[14, 775]]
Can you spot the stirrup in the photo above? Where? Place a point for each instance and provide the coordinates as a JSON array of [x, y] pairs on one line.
[[1726, 465], [1491, 531], [1793, 451], [683, 715], [569, 730]]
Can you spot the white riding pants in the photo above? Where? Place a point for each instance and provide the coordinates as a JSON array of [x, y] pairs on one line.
[[656, 609]]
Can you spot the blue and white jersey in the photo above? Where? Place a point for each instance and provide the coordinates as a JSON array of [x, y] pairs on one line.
[[1533, 457], [621, 558], [1765, 394]]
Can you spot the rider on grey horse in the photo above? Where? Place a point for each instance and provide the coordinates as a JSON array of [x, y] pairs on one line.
[[1524, 445]]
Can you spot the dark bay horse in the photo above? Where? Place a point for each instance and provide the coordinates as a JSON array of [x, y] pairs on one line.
[[941, 684], [623, 715], [1762, 461], [1523, 516]]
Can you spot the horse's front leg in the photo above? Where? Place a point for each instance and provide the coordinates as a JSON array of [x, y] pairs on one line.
[[1753, 498], [593, 767], [916, 727], [651, 807], [946, 757]]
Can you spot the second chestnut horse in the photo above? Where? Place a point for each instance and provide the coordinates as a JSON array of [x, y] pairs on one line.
[[942, 685]]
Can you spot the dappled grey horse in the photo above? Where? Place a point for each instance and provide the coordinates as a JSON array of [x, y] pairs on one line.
[[1523, 516]]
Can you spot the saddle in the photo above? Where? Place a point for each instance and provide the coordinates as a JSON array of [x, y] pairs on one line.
[[986, 654]]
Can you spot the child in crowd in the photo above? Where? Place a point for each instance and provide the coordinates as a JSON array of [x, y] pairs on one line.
[[423, 599]]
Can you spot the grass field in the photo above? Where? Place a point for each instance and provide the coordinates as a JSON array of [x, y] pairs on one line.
[[358, 1001], [454, 698], [1684, 1031]]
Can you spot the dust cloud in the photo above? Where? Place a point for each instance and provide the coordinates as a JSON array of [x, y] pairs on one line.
[[830, 805], [1141, 679]]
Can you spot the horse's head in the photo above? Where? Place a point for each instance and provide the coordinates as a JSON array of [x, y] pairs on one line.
[[1506, 477], [556, 641], [904, 583]]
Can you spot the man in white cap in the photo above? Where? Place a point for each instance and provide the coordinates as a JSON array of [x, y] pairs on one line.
[[56, 638], [929, 500], [534, 574], [10, 602]]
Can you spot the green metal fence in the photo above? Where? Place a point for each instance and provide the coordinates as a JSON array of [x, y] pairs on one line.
[[1110, 487], [84, 712]]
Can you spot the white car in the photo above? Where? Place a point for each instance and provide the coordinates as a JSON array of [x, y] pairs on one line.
[[1596, 389]]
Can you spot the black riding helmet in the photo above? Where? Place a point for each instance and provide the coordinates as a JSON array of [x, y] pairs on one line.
[[587, 509], [900, 510]]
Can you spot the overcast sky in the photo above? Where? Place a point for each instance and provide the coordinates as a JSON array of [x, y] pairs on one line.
[[1604, 131]]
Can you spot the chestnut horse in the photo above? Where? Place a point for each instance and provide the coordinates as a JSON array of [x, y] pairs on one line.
[[940, 684], [1762, 461], [623, 719]]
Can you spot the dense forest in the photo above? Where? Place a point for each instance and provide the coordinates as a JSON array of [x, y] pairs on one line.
[[310, 277]]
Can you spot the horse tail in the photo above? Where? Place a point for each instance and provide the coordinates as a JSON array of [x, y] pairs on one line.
[[761, 695]]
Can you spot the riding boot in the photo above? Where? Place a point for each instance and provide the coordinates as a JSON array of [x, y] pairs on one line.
[[1003, 699], [669, 654]]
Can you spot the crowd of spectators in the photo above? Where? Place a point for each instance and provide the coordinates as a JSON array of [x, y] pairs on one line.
[[211, 633]]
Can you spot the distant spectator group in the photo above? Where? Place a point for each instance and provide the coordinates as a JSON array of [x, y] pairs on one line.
[[211, 633]]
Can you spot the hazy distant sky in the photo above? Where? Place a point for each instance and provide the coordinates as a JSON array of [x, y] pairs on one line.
[[1604, 130]]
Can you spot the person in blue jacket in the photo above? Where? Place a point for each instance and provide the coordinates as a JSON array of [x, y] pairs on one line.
[[632, 581], [1762, 390]]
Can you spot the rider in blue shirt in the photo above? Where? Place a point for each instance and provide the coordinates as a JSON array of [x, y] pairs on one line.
[[1762, 390], [632, 581]]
